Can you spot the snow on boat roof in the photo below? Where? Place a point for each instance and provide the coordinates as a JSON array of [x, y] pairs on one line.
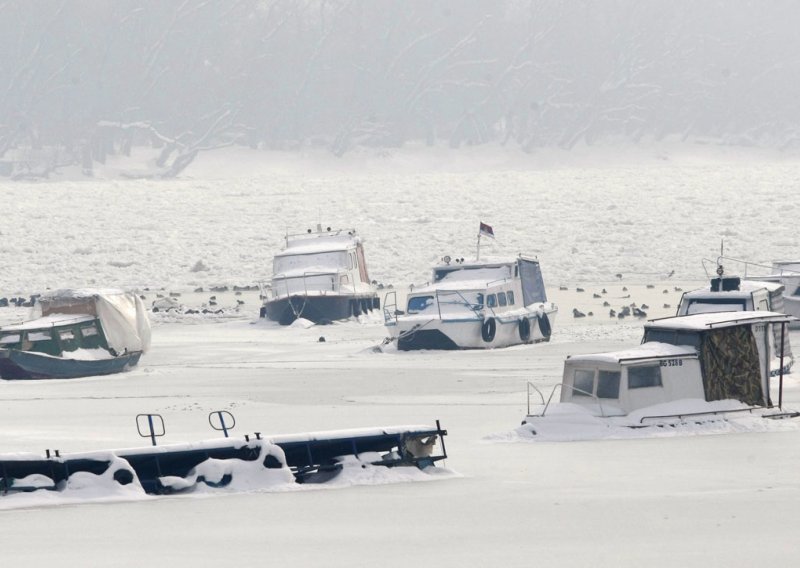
[[643, 352], [319, 244], [746, 288], [47, 322], [704, 321], [486, 262], [453, 285]]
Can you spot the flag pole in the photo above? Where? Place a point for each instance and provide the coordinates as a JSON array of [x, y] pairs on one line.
[[478, 255]]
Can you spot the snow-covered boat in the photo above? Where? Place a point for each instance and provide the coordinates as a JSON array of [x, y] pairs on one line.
[[781, 280], [320, 276], [731, 294], [473, 305], [231, 463], [78, 333], [787, 273], [694, 367]]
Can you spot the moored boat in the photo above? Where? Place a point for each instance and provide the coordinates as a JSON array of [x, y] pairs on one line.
[[320, 276], [78, 333], [693, 367], [473, 305]]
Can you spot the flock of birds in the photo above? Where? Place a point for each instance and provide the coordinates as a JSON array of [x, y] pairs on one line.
[[629, 310]]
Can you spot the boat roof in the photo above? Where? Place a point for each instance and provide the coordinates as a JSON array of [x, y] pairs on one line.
[[746, 289], [715, 320], [47, 322], [640, 353], [490, 262], [315, 243]]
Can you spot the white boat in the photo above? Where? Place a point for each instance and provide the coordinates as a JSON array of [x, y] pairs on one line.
[[732, 294], [320, 276], [473, 305], [783, 276], [698, 367], [787, 273]]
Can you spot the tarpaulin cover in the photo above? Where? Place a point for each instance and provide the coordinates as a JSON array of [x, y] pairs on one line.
[[532, 283], [122, 314], [730, 361]]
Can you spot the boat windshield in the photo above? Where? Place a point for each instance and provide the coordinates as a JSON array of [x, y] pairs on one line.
[[451, 303], [317, 261], [708, 305], [673, 337]]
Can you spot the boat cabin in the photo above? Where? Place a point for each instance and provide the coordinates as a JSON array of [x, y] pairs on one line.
[[55, 335], [320, 262], [707, 356], [320, 276], [76, 333], [730, 294], [466, 289]]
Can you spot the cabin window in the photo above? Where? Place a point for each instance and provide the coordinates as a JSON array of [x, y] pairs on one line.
[[583, 381], [644, 376], [91, 337], [68, 340], [41, 341], [672, 336], [419, 304], [510, 296], [491, 301], [608, 384], [89, 331], [707, 305], [10, 338], [39, 336], [501, 299]]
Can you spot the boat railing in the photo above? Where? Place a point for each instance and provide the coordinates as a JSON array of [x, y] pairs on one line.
[[536, 389], [553, 392], [722, 260], [319, 233], [498, 282], [390, 307]]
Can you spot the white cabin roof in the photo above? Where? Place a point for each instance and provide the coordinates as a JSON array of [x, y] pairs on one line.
[[643, 352], [746, 289], [705, 321], [319, 245], [47, 322]]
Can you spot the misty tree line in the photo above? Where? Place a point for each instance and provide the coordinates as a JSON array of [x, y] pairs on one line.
[[97, 77]]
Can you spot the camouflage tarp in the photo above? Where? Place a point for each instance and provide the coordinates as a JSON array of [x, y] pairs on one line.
[[731, 369]]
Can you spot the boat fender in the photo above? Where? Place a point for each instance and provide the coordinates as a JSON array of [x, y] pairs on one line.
[[524, 329], [488, 329], [544, 325]]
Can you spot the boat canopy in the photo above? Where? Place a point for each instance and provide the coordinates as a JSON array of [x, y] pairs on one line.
[[715, 320], [122, 314]]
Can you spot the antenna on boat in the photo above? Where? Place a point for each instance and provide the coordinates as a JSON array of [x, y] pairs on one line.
[[720, 268]]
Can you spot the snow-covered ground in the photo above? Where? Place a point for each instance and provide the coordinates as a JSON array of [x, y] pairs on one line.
[[713, 500]]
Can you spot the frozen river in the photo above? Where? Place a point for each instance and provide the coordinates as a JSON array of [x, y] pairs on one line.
[[722, 500]]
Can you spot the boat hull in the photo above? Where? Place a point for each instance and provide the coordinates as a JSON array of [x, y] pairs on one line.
[[318, 309], [446, 334], [27, 365]]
